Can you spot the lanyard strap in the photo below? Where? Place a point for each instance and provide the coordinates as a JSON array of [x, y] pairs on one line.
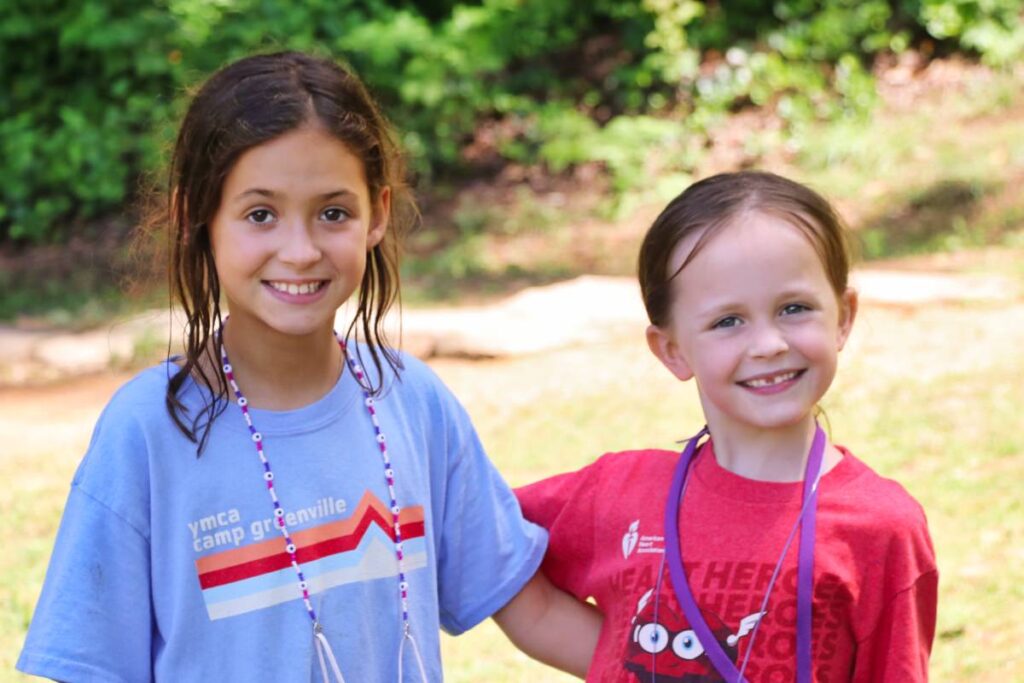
[[805, 562], [805, 558]]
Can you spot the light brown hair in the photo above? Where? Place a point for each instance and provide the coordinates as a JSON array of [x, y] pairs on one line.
[[710, 204]]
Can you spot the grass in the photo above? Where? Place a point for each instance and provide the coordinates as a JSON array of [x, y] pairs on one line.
[[929, 395], [940, 176], [939, 411]]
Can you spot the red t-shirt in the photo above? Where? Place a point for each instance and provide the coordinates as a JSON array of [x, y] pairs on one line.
[[875, 578]]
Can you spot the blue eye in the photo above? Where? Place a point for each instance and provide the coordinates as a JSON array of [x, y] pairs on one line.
[[726, 322], [260, 216], [334, 214], [790, 309], [686, 645], [651, 638]]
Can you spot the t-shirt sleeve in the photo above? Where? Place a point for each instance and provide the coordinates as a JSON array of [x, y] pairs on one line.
[[488, 551], [94, 619], [899, 648], [564, 505]]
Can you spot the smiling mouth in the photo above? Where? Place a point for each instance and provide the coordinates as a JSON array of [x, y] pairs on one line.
[[771, 380], [295, 288]]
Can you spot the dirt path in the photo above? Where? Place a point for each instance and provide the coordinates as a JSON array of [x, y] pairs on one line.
[[907, 340], [943, 307], [938, 320]]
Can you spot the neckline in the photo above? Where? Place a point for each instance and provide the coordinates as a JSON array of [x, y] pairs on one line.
[[338, 403], [715, 480]]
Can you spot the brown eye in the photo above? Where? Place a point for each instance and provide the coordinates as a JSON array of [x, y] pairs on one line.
[[260, 216], [334, 215]]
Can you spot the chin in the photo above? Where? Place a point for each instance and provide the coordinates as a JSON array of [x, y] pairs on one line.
[[783, 421], [303, 328]]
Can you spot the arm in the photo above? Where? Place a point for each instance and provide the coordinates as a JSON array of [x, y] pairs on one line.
[[551, 626]]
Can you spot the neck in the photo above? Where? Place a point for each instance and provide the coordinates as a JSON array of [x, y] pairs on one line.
[[282, 372], [775, 455]]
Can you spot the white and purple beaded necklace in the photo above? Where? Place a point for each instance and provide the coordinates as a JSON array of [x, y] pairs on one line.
[[322, 646]]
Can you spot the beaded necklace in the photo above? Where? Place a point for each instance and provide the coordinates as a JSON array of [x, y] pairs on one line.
[[322, 646]]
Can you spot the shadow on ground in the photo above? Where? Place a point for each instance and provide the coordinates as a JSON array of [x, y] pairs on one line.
[[949, 214]]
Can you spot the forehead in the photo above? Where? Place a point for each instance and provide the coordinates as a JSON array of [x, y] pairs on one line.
[[747, 237], [754, 253], [307, 161]]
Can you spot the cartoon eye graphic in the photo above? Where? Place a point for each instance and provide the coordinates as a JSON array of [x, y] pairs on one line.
[[686, 645], [651, 638]]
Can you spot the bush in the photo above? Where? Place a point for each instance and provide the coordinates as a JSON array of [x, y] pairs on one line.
[[90, 87], [83, 83]]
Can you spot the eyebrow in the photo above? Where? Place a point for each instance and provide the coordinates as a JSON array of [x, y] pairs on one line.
[[270, 194]]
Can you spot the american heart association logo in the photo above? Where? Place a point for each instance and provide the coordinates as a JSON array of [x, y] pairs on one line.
[[630, 539]]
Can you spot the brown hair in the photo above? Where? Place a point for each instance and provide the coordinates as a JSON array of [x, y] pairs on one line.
[[246, 104], [712, 203]]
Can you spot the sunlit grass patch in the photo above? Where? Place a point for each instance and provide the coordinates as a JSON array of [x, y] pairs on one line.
[[930, 397]]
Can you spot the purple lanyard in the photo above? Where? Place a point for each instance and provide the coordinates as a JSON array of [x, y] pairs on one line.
[[805, 562]]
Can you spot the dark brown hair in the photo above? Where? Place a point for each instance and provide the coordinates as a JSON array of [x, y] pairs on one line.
[[245, 104], [710, 204]]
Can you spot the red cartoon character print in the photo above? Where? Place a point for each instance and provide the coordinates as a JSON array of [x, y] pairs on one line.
[[662, 647]]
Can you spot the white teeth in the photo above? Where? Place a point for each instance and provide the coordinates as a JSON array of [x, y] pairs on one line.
[[770, 381], [292, 288]]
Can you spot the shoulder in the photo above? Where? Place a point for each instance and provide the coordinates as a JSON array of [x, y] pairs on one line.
[[413, 387], [115, 470], [644, 462], [410, 375], [626, 471], [139, 406], [142, 396], [148, 383], [417, 375], [887, 501], [881, 517]]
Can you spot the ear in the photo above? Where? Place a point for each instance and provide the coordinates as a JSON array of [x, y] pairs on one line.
[[665, 349], [848, 304], [381, 218]]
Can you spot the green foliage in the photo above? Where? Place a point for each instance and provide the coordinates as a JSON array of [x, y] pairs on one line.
[[90, 87], [83, 83]]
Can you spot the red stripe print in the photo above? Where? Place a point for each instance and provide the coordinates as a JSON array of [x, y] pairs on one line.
[[272, 546], [310, 553]]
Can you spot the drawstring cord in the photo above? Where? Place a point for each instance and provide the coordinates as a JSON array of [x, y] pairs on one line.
[[326, 655], [407, 635], [323, 647]]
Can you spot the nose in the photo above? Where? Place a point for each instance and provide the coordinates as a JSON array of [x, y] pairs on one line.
[[768, 341], [299, 247]]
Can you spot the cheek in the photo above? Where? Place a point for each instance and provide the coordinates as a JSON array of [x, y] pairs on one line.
[[819, 342], [718, 358]]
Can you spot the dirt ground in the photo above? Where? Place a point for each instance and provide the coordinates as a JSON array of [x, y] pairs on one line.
[[917, 339], [58, 417]]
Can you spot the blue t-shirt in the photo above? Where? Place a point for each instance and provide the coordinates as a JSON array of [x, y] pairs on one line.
[[170, 566]]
